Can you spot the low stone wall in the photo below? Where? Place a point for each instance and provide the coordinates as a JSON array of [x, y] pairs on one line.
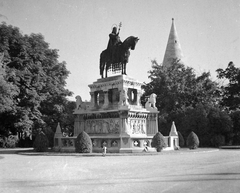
[[114, 144]]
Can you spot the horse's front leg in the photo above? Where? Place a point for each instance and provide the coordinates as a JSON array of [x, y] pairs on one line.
[[106, 72], [106, 69], [124, 64], [122, 67]]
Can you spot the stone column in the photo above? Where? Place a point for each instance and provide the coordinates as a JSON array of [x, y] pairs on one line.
[[92, 100], [124, 124], [152, 124], [106, 101], [78, 125], [139, 94]]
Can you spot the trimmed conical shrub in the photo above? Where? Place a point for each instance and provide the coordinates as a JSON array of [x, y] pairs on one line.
[[41, 142], [83, 143], [158, 142], [181, 139], [192, 141]]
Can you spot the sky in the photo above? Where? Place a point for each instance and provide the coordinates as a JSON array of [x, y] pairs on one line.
[[208, 31]]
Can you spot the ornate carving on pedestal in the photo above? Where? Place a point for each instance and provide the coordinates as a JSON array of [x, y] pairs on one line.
[[114, 143], [103, 126], [102, 115], [137, 126]]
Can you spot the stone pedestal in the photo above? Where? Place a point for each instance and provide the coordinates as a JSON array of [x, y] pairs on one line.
[[115, 118]]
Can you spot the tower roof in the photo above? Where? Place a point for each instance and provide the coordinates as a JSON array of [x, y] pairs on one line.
[[173, 50], [173, 131]]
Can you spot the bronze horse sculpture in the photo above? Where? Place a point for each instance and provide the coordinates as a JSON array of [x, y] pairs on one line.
[[121, 56]]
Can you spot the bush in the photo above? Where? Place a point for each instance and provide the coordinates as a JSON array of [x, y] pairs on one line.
[[158, 142], [83, 143], [192, 141], [181, 139], [236, 139], [218, 140], [50, 135], [41, 142], [9, 142]]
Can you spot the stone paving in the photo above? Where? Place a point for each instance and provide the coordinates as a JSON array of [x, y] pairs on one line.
[[204, 170]]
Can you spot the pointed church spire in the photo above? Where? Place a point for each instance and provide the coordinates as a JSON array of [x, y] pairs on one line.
[[173, 131], [173, 50]]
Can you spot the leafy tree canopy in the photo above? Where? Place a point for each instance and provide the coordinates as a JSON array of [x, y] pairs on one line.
[[178, 87], [32, 82], [230, 91]]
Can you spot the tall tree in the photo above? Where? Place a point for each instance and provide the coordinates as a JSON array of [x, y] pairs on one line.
[[39, 79], [231, 90], [178, 87], [183, 97]]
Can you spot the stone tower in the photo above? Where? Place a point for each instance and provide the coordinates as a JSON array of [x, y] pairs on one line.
[[173, 51]]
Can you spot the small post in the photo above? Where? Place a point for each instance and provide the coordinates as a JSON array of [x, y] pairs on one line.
[[104, 151]]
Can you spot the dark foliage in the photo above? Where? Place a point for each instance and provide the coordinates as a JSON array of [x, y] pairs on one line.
[[218, 140], [183, 97], [231, 91], [158, 142], [235, 117], [220, 122], [41, 142], [178, 86], [83, 143], [236, 139], [181, 140], [32, 83], [192, 141]]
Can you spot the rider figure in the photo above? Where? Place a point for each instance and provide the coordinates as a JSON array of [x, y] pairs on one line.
[[114, 40]]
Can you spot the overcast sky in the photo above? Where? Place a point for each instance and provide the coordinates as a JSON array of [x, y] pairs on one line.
[[208, 31]]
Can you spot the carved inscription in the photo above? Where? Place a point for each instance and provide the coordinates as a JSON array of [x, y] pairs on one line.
[[102, 126]]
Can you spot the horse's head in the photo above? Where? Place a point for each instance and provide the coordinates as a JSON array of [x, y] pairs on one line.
[[135, 40], [130, 42]]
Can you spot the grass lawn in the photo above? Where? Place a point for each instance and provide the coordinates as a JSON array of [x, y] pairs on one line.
[[201, 170]]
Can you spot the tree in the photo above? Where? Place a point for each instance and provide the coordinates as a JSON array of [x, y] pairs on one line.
[[41, 142], [192, 141], [231, 90], [220, 122], [38, 79], [218, 140], [181, 139], [158, 142], [195, 119], [8, 91], [183, 97], [178, 86]]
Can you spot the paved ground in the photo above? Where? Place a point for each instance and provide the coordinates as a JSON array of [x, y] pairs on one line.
[[183, 171]]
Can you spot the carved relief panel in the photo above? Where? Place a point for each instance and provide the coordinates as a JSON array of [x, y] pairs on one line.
[[103, 126], [137, 125]]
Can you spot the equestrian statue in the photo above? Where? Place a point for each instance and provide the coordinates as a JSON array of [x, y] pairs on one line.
[[116, 55]]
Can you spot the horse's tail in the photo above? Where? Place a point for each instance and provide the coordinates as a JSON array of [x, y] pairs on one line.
[[102, 62]]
